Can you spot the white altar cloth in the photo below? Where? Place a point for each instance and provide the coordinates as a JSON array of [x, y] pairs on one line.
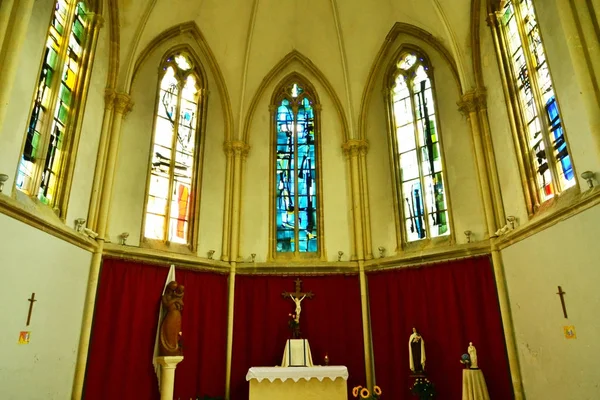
[[298, 383], [296, 373], [297, 354], [474, 387]]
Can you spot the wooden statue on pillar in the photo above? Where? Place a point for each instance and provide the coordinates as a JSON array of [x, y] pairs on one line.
[[170, 328]]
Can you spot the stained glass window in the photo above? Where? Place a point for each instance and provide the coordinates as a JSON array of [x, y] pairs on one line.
[[171, 188], [296, 173], [53, 107], [544, 130], [424, 203]]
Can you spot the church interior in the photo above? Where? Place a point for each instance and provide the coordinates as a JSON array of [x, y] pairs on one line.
[[390, 170]]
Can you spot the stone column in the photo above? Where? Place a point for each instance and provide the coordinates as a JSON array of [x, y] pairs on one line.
[[364, 305], [12, 35], [366, 209], [167, 375], [352, 149], [122, 104], [240, 151], [469, 106]]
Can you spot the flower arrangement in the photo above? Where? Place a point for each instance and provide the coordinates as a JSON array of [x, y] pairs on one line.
[[294, 326], [364, 393], [423, 388]]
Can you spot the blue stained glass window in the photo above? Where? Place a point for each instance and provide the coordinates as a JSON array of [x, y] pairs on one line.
[[296, 179], [44, 151], [544, 134], [424, 204]]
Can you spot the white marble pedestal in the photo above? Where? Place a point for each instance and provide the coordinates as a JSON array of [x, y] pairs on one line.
[[167, 375]]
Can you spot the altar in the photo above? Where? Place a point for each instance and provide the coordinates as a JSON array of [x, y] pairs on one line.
[[298, 383]]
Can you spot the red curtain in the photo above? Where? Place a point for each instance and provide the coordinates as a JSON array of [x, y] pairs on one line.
[[331, 321], [125, 320], [451, 304]]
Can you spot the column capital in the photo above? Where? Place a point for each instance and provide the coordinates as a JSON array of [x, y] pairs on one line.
[[97, 20], [236, 148], [354, 147], [272, 109], [472, 101], [492, 19], [123, 103]]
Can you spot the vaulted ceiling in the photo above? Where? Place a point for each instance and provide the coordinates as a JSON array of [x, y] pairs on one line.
[[249, 37]]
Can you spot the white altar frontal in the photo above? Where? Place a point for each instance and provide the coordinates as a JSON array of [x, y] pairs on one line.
[[298, 383], [297, 378]]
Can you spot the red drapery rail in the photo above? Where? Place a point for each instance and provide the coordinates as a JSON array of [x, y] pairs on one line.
[[331, 321], [451, 304], [125, 320]]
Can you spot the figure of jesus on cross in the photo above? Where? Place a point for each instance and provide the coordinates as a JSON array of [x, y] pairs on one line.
[[297, 298]]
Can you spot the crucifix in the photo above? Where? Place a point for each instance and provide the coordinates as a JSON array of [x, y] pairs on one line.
[[297, 297], [562, 300], [31, 300]]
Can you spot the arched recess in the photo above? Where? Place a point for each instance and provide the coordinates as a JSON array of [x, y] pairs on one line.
[[294, 56], [190, 28], [380, 61], [309, 92]]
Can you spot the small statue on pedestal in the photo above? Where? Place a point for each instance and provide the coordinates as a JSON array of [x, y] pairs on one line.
[[170, 329], [416, 352], [472, 356]]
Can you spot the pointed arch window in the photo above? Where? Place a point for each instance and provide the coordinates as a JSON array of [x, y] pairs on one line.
[[171, 195], [296, 162], [50, 136], [544, 138], [417, 150]]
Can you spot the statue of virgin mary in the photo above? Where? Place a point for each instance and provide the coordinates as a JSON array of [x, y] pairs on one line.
[[416, 352]]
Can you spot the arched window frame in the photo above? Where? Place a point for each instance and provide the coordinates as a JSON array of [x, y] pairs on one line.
[[48, 103], [401, 215], [536, 192], [196, 69], [283, 91]]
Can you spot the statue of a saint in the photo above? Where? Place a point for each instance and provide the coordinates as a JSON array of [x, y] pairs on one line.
[[170, 329], [416, 351], [472, 355], [298, 307]]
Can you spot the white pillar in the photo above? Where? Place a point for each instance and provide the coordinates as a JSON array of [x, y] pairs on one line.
[[167, 375]]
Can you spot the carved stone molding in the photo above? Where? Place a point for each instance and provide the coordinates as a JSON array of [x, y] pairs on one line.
[[109, 98], [473, 101], [236, 148], [354, 147], [123, 103]]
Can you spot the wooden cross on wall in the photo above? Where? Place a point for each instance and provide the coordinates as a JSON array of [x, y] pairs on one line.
[[31, 300], [562, 300], [298, 293]]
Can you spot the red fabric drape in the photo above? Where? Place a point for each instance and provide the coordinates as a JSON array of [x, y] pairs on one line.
[[450, 304], [331, 321], [125, 320]]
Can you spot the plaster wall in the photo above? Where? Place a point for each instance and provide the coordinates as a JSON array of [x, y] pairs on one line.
[[552, 366], [33, 261], [12, 133], [131, 177], [257, 182], [461, 174]]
